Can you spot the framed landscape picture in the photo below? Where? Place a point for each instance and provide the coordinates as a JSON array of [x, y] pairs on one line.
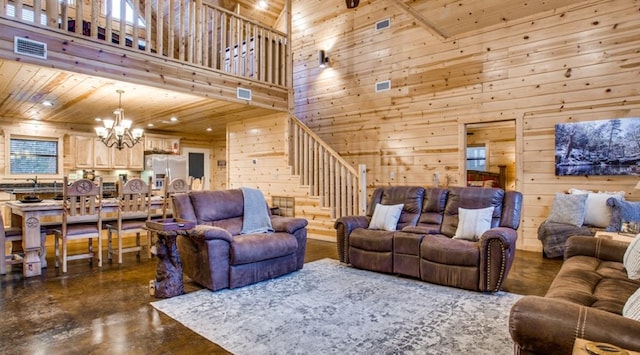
[[603, 147]]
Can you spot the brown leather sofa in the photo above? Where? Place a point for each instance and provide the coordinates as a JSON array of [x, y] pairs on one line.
[[218, 256], [585, 300], [422, 245]]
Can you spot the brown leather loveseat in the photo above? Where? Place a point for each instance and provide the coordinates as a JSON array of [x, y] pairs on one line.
[[218, 256], [585, 300], [422, 246]]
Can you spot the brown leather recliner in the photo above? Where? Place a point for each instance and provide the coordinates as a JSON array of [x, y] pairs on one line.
[[422, 245], [218, 256], [585, 300]]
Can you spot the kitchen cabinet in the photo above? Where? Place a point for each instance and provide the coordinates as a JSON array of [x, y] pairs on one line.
[[84, 151], [101, 155], [160, 143], [128, 158], [91, 153]]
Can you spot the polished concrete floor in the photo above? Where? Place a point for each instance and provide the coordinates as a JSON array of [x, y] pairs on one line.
[[90, 310]]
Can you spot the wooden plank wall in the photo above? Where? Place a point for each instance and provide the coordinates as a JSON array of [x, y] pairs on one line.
[[571, 64]]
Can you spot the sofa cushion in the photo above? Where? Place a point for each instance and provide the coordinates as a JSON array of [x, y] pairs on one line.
[[631, 308], [631, 259], [594, 283], [406, 243], [568, 209], [444, 250], [473, 223], [371, 240], [410, 196], [386, 217], [217, 205], [470, 198], [249, 248], [435, 200]]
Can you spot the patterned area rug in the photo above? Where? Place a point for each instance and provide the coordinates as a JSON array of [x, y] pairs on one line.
[[328, 307]]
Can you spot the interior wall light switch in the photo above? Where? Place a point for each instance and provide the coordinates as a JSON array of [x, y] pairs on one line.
[[392, 175]]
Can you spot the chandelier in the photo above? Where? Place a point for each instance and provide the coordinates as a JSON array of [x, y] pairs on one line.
[[118, 133]]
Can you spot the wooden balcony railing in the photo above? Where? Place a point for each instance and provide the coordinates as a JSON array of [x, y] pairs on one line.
[[339, 186], [184, 30]]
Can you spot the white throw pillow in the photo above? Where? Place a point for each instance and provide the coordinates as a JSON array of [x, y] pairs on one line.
[[632, 306], [631, 259], [472, 223], [597, 213], [386, 217]]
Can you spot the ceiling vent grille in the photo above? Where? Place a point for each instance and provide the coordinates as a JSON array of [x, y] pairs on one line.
[[382, 24], [244, 94], [28, 47], [383, 85]]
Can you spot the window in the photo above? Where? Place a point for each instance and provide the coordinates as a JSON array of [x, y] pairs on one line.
[[477, 158], [30, 156], [115, 12]]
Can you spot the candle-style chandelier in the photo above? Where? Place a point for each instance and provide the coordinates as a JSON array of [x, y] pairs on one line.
[[118, 133]]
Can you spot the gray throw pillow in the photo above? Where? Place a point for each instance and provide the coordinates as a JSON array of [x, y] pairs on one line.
[[622, 211], [568, 209]]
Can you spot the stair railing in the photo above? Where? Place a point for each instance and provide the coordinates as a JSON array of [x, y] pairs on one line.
[[340, 186]]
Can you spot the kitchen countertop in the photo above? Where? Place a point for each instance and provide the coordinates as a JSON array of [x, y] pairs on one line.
[[45, 188]]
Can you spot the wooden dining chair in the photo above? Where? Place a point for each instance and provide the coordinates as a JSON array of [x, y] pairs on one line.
[[134, 210], [81, 219], [169, 189]]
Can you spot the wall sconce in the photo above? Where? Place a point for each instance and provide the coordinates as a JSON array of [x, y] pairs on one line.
[[323, 60]]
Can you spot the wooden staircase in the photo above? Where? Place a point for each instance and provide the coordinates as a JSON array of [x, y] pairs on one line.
[[334, 187]]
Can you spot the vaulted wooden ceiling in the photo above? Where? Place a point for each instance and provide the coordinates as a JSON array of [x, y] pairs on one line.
[[78, 99]]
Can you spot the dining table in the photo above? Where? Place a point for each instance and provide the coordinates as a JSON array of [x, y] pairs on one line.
[[29, 214]]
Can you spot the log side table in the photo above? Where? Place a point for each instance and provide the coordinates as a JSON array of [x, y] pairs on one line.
[[168, 282]]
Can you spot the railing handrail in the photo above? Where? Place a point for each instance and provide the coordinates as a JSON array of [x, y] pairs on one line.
[[324, 145]]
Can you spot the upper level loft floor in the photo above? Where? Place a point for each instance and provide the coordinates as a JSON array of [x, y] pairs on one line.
[[219, 59]]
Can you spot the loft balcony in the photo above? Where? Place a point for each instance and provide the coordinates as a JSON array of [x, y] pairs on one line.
[[170, 38]]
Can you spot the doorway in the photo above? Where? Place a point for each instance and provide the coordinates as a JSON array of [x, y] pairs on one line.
[[199, 165], [490, 154]]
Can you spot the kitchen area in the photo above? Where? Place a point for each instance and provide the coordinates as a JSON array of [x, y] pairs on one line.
[[85, 157]]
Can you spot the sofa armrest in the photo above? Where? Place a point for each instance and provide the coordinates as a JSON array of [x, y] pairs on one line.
[[497, 251], [344, 226], [204, 232], [540, 325], [506, 235], [287, 224], [601, 248]]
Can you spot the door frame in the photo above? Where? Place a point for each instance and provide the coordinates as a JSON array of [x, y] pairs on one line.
[[207, 162]]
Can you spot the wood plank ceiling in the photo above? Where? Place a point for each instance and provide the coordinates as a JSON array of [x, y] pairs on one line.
[[78, 99]]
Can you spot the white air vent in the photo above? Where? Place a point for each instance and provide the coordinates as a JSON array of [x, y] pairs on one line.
[[383, 85], [244, 94], [381, 25], [29, 47]]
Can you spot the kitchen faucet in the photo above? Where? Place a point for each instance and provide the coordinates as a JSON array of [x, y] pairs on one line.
[[35, 182]]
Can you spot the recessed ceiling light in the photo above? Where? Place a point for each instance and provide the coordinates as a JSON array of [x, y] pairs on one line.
[[209, 129], [173, 119], [149, 124], [47, 103], [97, 119], [262, 4]]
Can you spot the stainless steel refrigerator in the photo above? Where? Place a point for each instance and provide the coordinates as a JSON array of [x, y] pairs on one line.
[[159, 166]]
